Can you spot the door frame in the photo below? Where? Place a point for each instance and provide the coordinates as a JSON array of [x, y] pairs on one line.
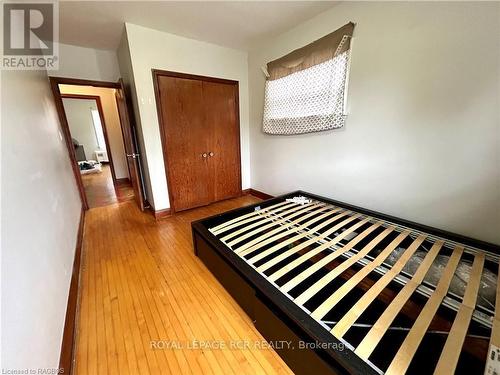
[[54, 85], [130, 139], [103, 122], [156, 73]]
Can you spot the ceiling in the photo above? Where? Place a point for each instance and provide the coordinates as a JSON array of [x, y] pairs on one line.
[[241, 25]]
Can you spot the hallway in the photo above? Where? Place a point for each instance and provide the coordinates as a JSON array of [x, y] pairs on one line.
[[141, 282]]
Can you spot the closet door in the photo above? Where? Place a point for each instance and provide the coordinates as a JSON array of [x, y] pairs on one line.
[[222, 122], [185, 141]]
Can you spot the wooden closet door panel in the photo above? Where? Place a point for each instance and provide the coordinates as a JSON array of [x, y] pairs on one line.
[[185, 140], [222, 118]]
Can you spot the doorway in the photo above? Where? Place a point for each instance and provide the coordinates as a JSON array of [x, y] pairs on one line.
[[100, 139]]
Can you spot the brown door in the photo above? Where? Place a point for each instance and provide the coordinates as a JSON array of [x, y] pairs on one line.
[[131, 147], [200, 135], [185, 142], [221, 121]]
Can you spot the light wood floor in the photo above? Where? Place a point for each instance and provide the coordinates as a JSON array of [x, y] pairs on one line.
[[101, 191], [141, 282]]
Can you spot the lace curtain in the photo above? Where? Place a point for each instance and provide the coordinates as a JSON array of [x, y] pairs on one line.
[[305, 90]]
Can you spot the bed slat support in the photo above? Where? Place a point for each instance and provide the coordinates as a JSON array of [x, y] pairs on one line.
[[330, 276], [451, 352], [495, 333], [318, 234], [244, 250], [252, 217], [359, 307], [373, 337], [405, 354], [271, 220], [304, 244], [326, 260]]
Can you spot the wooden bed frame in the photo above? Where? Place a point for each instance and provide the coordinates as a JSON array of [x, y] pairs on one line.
[[316, 275]]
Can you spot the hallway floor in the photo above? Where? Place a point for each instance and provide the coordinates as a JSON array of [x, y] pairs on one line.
[[145, 297], [101, 191]]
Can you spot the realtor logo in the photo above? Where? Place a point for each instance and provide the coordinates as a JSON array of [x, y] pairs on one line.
[[30, 35]]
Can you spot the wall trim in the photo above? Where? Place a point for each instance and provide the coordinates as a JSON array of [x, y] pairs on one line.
[[69, 333], [167, 212], [123, 181], [257, 193], [161, 214]]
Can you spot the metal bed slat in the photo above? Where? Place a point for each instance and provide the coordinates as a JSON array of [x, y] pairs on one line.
[[371, 294], [323, 262], [301, 246], [402, 360], [354, 280], [373, 337], [256, 257], [290, 266], [271, 218], [250, 214], [286, 224], [244, 250], [330, 276], [257, 216], [451, 352]]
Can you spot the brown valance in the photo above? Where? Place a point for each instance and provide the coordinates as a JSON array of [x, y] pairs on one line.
[[321, 50]]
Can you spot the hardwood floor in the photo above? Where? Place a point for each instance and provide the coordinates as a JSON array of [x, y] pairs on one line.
[[145, 298], [100, 190]]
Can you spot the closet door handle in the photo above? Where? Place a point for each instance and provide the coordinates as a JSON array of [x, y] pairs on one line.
[[210, 154]]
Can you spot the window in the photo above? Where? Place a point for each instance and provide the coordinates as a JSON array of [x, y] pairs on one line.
[[309, 96], [96, 119]]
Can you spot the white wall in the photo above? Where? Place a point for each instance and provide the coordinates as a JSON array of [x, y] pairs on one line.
[[81, 124], [151, 49], [422, 136], [40, 216], [87, 63], [113, 125]]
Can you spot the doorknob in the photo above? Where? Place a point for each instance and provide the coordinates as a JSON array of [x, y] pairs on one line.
[[204, 155], [210, 154]]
